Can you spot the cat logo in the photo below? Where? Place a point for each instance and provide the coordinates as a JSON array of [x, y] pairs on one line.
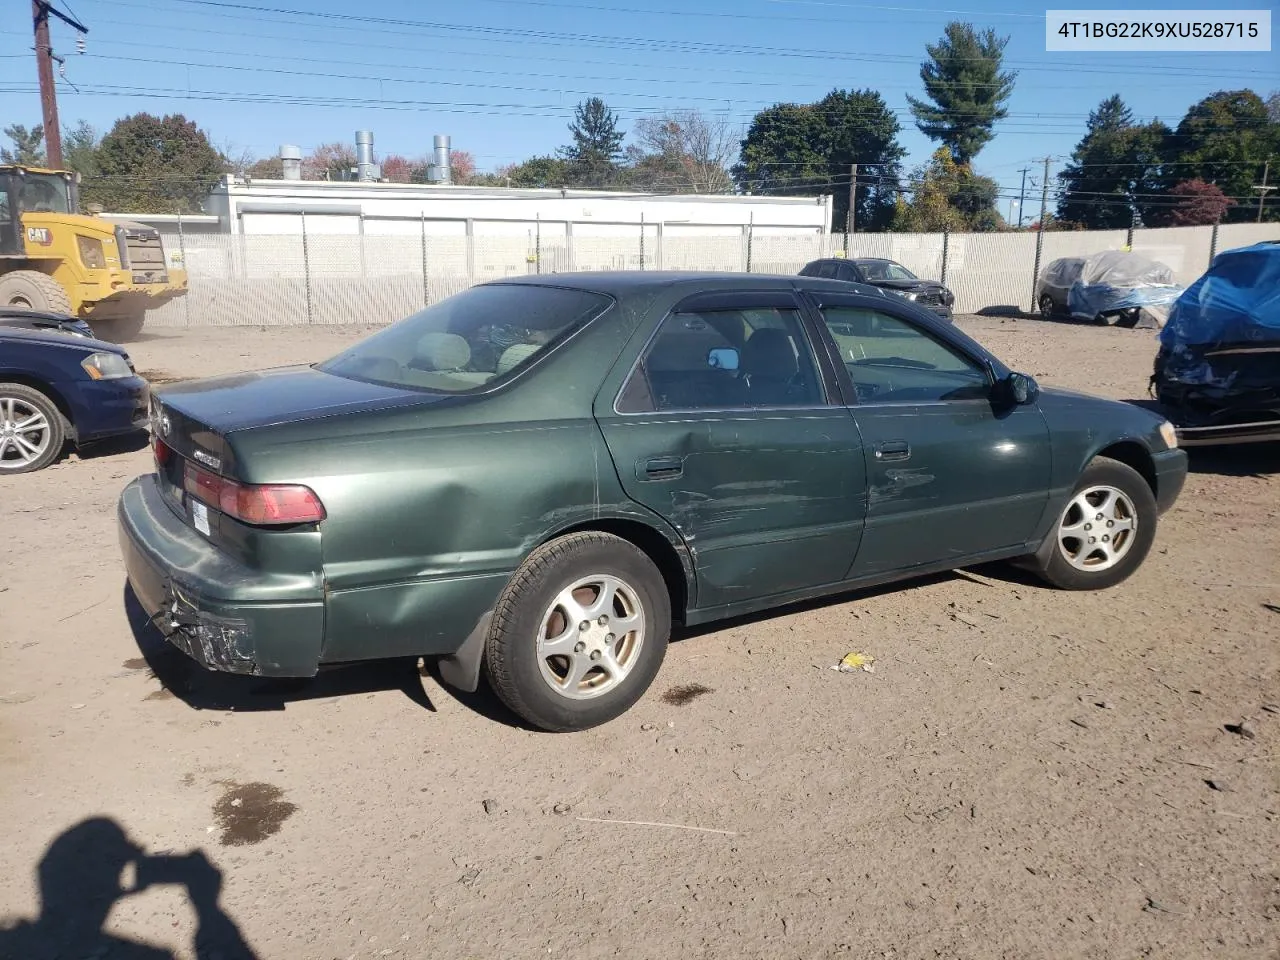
[[41, 236]]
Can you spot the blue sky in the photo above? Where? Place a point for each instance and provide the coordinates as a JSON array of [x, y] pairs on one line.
[[502, 76]]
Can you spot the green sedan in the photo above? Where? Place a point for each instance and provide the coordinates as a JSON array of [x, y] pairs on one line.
[[535, 478]]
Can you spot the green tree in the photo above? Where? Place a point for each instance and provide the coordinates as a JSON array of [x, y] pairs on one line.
[[597, 144], [947, 195], [963, 79], [150, 164], [266, 168], [543, 172], [1225, 139], [28, 145], [1114, 170], [80, 149], [809, 149]]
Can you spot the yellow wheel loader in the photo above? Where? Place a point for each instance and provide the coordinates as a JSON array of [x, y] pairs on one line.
[[54, 258]]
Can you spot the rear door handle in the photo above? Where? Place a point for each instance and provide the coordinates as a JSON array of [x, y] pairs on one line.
[[663, 468], [893, 450]]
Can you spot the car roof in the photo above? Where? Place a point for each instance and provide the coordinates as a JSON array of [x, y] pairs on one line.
[[621, 283]]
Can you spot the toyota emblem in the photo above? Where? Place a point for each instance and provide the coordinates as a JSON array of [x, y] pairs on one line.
[[165, 425]]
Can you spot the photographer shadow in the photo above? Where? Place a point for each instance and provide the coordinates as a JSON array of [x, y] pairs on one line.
[[80, 878]]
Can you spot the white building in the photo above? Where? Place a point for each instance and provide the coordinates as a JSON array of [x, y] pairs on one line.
[[390, 209]]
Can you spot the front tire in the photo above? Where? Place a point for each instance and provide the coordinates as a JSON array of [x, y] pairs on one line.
[[32, 430], [579, 633], [1105, 531]]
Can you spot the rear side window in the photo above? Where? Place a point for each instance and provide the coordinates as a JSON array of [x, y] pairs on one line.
[[470, 339], [725, 359]]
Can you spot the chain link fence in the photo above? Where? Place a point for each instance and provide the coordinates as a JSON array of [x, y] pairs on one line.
[[299, 279]]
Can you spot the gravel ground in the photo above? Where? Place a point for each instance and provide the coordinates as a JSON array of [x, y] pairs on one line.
[[1026, 774]]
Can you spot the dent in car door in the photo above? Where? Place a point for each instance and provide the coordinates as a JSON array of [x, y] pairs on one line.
[[950, 475], [764, 482]]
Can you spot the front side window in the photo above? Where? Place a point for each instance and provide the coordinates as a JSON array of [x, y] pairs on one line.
[[464, 342], [725, 359], [892, 361]]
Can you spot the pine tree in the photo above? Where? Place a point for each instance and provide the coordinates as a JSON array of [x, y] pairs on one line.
[[963, 79], [597, 144]]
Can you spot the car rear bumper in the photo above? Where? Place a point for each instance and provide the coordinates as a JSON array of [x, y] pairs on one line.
[[1171, 474], [226, 616]]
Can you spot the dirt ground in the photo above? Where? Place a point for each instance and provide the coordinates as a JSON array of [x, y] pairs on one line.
[[1025, 774]]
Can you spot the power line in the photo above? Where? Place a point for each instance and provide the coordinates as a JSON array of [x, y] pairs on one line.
[[525, 36], [452, 49]]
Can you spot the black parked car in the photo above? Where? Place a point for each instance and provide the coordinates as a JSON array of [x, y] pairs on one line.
[[888, 275]]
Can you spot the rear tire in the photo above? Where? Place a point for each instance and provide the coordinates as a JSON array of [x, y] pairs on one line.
[[579, 633], [34, 291], [119, 330], [32, 429], [1047, 309], [1105, 531]]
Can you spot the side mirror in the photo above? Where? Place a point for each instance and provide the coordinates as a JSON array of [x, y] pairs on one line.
[[722, 358], [1021, 389]]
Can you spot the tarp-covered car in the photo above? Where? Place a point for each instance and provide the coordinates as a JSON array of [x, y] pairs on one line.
[[1114, 286], [1218, 368]]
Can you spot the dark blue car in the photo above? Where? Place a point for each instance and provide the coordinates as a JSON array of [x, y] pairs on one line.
[[57, 387]]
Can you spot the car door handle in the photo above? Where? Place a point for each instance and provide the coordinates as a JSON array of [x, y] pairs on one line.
[[663, 468], [893, 450]]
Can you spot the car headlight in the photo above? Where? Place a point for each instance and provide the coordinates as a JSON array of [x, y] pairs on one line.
[[91, 254], [910, 296], [1169, 434], [106, 366]]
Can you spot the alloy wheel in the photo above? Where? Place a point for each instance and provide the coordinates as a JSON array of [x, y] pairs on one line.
[[591, 637], [1097, 528], [25, 433]]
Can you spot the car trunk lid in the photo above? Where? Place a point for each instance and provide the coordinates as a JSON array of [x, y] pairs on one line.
[[193, 427]]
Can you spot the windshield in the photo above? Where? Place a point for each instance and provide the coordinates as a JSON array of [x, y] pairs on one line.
[[42, 193], [462, 343], [885, 270]]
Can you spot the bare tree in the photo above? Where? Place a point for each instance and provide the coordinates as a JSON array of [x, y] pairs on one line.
[[685, 151]]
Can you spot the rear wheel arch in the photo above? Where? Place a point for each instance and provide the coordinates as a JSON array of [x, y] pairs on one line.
[[677, 571]]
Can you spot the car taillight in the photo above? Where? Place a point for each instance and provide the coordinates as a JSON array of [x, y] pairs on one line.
[[161, 450], [260, 504]]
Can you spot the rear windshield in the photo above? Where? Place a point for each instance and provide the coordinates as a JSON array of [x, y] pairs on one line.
[[464, 342]]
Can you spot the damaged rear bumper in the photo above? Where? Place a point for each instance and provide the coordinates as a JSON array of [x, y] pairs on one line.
[[226, 616]]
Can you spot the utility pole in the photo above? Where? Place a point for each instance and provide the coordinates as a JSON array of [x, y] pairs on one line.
[[1044, 195], [1262, 188], [1022, 195], [1044, 216], [40, 11], [850, 221]]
